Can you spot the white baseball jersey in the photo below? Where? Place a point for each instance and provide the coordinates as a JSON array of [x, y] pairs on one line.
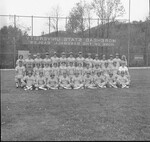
[[90, 61], [122, 79], [77, 80], [95, 70], [29, 63], [37, 70], [46, 61], [88, 79], [118, 61], [70, 60], [52, 81], [71, 70], [62, 60], [96, 61], [87, 70], [103, 63], [80, 60], [111, 79], [55, 70], [17, 62], [99, 79], [30, 80], [124, 69], [110, 63], [79, 70], [64, 80], [55, 59], [40, 80], [38, 61], [46, 71], [62, 69], [20, 71]]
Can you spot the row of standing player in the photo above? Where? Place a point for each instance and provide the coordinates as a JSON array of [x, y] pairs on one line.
[[30, 62], [94, 72]]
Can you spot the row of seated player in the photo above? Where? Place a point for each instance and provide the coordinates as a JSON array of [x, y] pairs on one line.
[[30, 62], [68, 77]]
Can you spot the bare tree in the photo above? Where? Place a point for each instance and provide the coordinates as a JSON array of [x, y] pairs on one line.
[[108, 10], [54, 17]]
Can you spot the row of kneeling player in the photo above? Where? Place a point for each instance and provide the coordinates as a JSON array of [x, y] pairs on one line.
[[76, 81]]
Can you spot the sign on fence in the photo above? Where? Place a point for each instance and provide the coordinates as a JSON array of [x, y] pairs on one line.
[[138, 57], [24, 53], [37, 40]]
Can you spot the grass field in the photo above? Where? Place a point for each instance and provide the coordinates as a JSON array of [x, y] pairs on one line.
[[101, 114]]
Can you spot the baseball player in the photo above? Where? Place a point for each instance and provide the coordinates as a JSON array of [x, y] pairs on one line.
[[37, 69], [46, 60], [89, 81], [80, 59], [55, 69], [71, 70], [122, 80], [52, 81], [28, 81], [29, 63], [111, 80], [123, 58], [63, 59], [64, 81], [100, 80], [62, 68], [47, 70], [110, 61], [38, 60], [54, 59], [124, 68], [40, 82], [87, 69], [103, 62], [20, 59], [117, 60], [114, 68], [19, 73], [89, 60], [71, 59], [77, 81], [79, 69], [106, 69]]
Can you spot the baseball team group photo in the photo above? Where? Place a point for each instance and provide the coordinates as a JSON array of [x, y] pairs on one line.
[[71, 73], [75, 70]]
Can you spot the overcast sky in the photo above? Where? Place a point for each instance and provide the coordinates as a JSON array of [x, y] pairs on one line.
[[139, 11]]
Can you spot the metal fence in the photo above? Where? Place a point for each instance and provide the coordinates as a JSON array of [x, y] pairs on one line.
[[128, 43]]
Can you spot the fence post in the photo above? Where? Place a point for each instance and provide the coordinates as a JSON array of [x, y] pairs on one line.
[[32, 24], [32, 29], [129, 36], [14, 40], [49, 25]]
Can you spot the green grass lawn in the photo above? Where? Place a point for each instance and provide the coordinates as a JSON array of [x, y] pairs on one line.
[[101, 114]]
